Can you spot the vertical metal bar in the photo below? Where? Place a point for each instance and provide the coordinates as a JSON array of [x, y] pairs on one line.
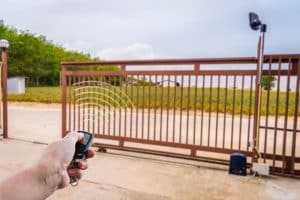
[[155, 99], [168, 108], [126, 92], [202, 107], [295, 118], [181, 100], [149, 111], [121, 92], [225, 111], [256, 124], [217, 115], [286, 115], [83, 107], [98, 90], [241, 111], [137, 107], [250, 112], [161, 107], [188, 109], [63, 97], [260, 117], [4, 93], [195, 109], [276, 112], [143, 109], [88, 108], [120, 108], [118, 91], [94, 95], [79, 114], [103, 83], [209, 109], [233, 111], [91, 120], [114, 104], [69, 95], [131, 107], [267, 110], [174, 108], [74, 100], [109, 79]]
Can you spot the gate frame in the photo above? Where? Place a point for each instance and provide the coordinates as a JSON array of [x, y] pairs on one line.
[[196, 62]]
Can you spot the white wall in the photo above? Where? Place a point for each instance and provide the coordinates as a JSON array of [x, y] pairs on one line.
[[16, 85]]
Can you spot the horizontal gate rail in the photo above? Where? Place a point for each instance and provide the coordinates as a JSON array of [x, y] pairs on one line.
[[197, 112]]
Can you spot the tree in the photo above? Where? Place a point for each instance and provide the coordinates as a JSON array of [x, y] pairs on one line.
[[36, 58], [268, 82]]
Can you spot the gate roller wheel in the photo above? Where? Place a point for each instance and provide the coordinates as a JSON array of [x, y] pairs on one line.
[[102, 149]]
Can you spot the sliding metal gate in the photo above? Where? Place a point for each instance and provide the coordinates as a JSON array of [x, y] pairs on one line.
[[201, 109]]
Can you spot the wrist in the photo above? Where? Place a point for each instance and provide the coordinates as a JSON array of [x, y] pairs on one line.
[[47, 175]]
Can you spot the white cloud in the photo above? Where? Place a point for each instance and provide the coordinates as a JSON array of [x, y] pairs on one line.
[[190, 28], [134, 51], [79, 45]]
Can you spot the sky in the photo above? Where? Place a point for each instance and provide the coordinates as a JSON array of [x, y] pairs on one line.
[[140, 29]]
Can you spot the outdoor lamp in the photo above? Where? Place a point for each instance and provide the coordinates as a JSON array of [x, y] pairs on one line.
[[255, 23], [4, 44]]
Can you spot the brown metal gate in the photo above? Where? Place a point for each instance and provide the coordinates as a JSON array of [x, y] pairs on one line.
[[203, 109]]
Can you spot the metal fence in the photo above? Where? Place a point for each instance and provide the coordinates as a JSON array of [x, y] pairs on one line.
[[201, 109]]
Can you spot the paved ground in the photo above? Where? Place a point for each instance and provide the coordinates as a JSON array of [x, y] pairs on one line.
[[115, 176], [42, 123], [34, 123]]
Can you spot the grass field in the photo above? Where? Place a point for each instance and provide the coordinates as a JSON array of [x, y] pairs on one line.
[[156, 97]]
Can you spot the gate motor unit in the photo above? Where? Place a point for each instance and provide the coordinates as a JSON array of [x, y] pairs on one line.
[[237, 164]]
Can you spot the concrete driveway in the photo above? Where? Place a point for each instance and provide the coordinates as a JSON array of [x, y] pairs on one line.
[[120, 176]]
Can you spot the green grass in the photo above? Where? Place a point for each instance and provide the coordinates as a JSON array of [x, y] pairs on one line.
[[185, 99], [38, 94]]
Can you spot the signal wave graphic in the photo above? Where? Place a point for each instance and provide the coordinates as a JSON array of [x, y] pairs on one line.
[[95, 99]]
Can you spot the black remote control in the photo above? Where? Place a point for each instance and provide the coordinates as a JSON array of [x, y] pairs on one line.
[[81, 149], [83, 146]]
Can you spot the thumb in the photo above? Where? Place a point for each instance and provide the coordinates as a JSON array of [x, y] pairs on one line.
[[74, 137]]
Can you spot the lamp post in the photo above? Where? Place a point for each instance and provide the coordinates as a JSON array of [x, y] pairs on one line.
[[4, 44], [255, 25]]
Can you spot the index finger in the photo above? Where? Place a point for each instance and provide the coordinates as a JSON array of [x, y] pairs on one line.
[[91, 153]]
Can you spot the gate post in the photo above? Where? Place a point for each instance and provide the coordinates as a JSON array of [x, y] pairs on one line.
[[256, 123], [63, 100], [4, 44]]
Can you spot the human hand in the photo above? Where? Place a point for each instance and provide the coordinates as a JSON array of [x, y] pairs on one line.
[[53, 167], [50, 173]]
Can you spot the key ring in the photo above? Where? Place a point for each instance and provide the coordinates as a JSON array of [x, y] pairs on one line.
[[74, 181]]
